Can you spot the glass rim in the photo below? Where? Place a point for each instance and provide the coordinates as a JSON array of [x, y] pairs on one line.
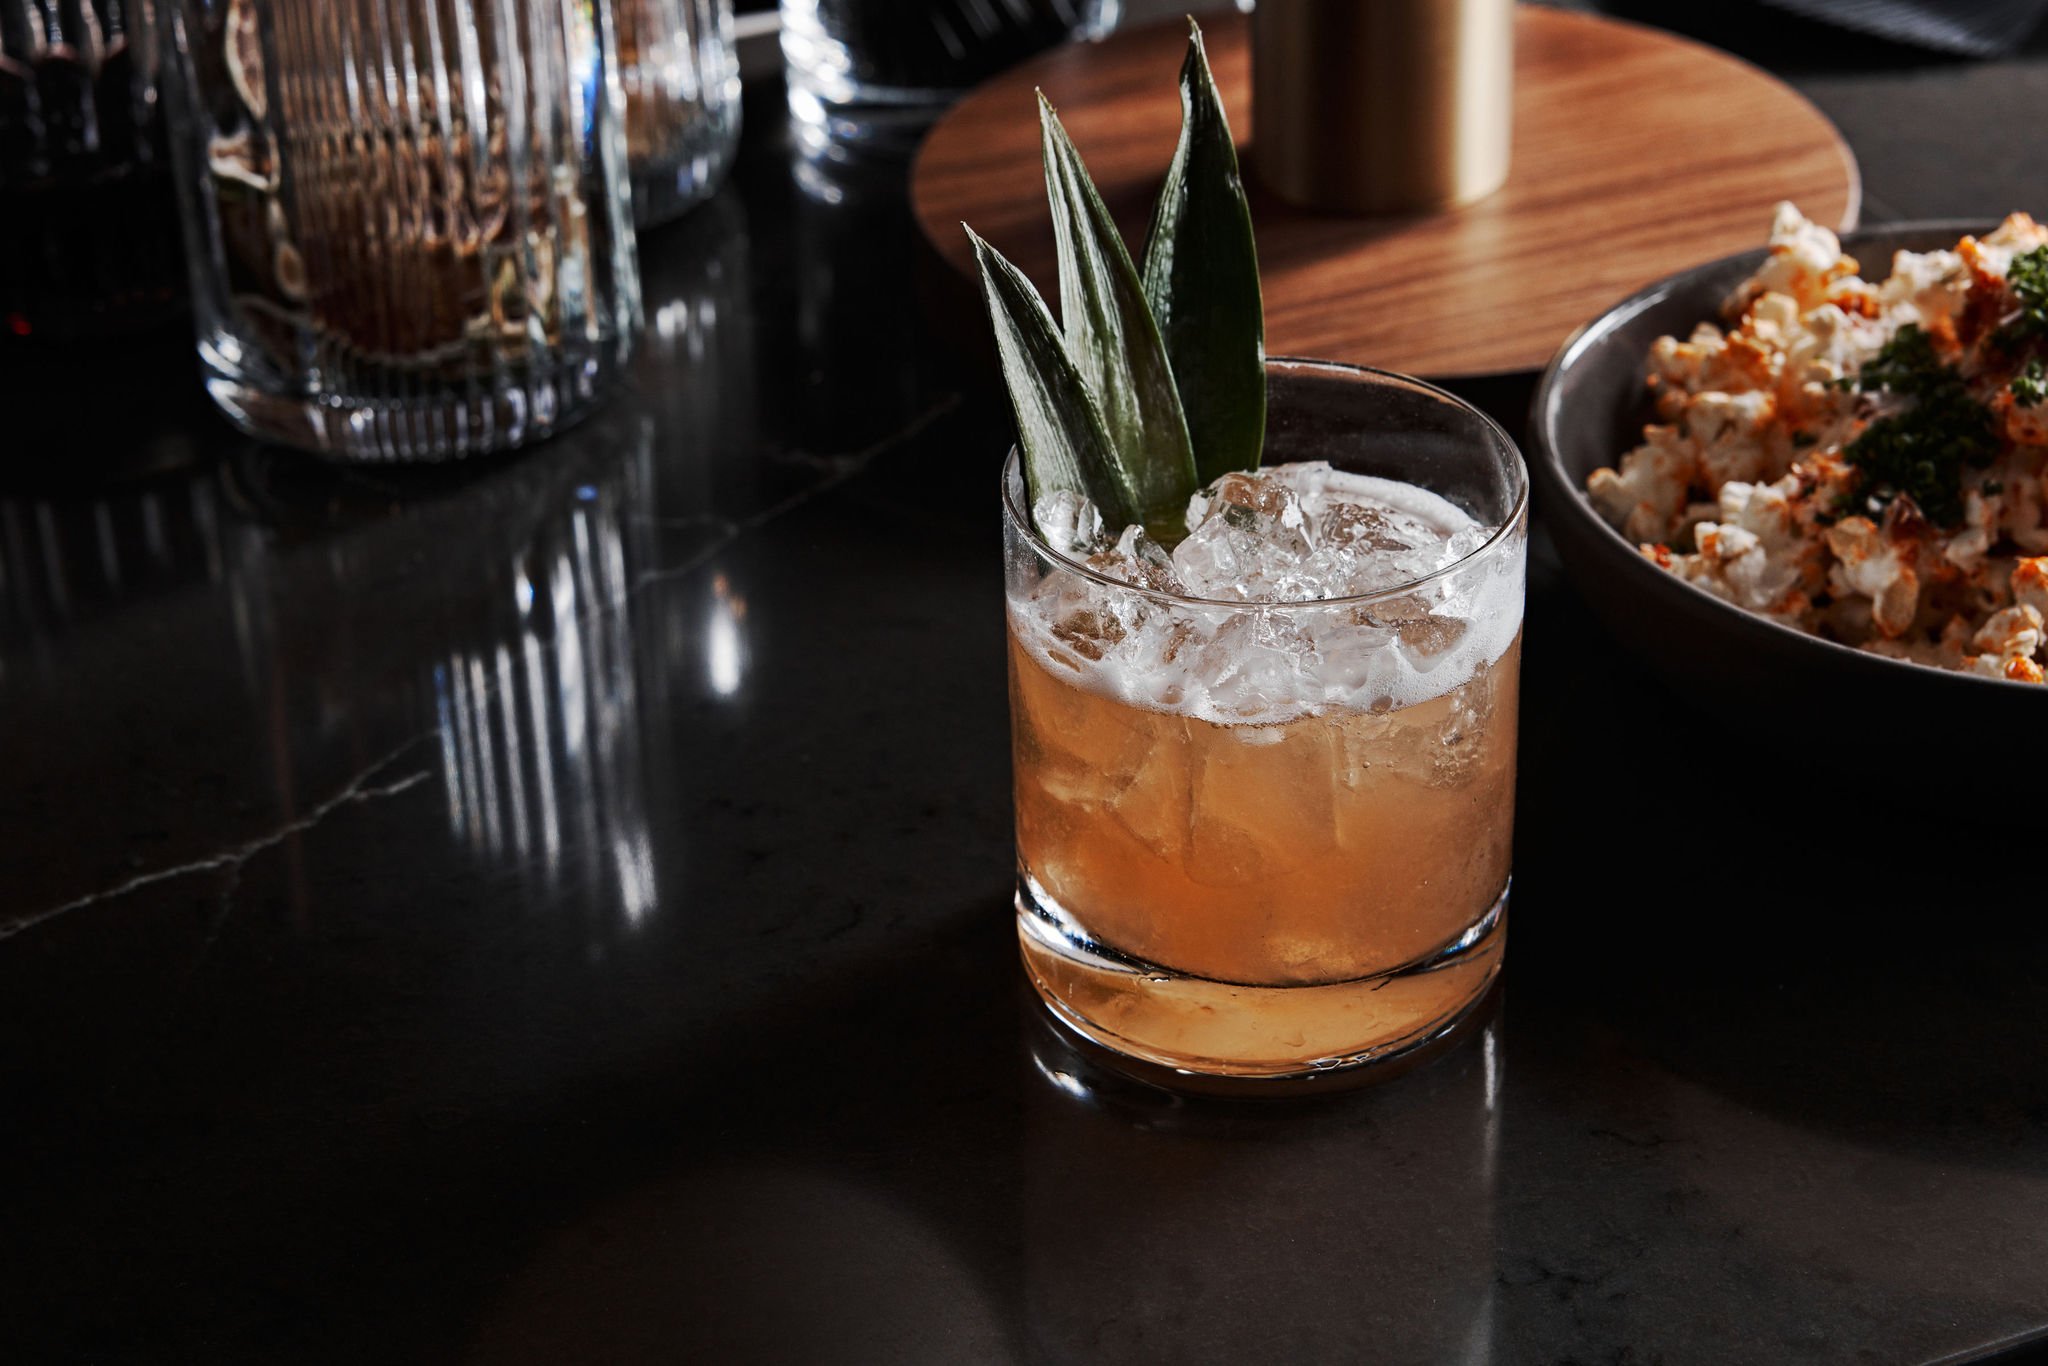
[[1020, 516]]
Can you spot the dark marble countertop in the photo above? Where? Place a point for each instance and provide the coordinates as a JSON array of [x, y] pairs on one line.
[[558, 910]]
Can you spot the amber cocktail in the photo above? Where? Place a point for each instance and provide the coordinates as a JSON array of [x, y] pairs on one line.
[[1265, 783]]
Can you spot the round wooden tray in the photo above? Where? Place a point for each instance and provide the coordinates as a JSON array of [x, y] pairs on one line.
[[1636, 155]]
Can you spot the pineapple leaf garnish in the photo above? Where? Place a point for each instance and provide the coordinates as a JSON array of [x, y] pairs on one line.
[[1114, 342], [1202, 281], [1058, 426], [1156, 380]]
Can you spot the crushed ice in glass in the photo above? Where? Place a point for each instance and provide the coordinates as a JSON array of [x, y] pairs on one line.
[[1289, 533], [1291, 536], [1069, 522]]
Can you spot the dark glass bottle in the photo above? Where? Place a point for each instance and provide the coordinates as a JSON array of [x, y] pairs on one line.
[[88, 221]]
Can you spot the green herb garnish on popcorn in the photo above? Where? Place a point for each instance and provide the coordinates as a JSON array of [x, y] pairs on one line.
[[2027, 278], [1921, 450], [1155, 382], [2030, 385]]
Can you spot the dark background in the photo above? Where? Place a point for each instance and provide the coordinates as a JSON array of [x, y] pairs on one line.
[[557, 908]]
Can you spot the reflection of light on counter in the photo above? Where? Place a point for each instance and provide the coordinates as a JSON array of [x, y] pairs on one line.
[[672, 319], [818, 185], [679, 324], [540, 727], [569, 646], [1066, 1081], [636, 876], [514, 761], [725, 645], [444, 725], [465, 774], [812, 123], [486, 754], [1489, 1152], [66, 561], [543, 756]]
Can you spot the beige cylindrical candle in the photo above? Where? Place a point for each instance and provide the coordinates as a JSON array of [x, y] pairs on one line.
[[1382, 106]]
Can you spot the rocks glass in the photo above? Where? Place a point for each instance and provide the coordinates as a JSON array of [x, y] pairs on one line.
[[880, 70], [407, 222], [682, 84], [88, 233], [1271, 839]]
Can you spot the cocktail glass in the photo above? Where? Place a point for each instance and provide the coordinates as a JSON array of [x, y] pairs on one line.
[[1267, 840]]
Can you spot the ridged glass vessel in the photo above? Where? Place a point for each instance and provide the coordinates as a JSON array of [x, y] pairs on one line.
[[88, 240], [682, 83], [880, 70], [408, 222]]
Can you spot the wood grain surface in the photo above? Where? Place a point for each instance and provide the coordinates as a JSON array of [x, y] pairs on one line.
[[1636, 155]]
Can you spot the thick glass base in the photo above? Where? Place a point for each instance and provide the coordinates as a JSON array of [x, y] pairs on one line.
[[1197, 1028], [666, 187], [876, 119], [879, 75], [410, 419]]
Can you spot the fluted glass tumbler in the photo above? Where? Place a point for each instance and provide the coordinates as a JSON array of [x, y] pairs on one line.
[[408, 222], [88, 239], [880, 70], [682, 83]]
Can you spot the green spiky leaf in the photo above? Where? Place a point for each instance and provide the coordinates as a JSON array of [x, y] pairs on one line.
[[1058, 426], [1202, 281], [1114, 343]]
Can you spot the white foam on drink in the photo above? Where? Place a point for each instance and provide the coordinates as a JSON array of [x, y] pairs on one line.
[[1291, 537]]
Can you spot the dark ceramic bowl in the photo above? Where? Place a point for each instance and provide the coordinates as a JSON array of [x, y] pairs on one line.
[[1589, 409]]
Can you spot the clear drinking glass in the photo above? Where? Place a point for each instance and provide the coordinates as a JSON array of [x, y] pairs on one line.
[[864, 69], [408, 222], [682, 83], [1267, 840], [88, 227]]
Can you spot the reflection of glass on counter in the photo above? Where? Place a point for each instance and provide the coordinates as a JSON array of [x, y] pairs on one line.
[[541, 729], [407, 225], [682, 84], [542, 723], [525, 631], [67, 562], [676, 1268], [1159, 1226]]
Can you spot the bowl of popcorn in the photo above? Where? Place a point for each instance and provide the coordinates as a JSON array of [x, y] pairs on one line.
[[1810, 482]]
